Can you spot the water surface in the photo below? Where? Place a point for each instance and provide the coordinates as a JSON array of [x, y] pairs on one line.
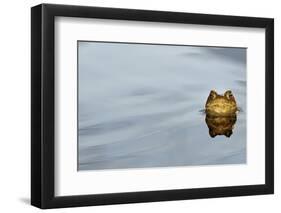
[[141, 105]]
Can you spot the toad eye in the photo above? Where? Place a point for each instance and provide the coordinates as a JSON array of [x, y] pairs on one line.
[[229, 95], [213, 94]]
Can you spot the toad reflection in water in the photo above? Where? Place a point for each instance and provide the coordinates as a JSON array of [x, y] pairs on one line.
[[221, 113]]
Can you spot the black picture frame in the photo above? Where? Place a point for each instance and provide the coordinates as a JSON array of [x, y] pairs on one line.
[[43, 102]]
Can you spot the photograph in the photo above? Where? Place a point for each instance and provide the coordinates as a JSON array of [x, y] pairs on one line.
[[149, 105]]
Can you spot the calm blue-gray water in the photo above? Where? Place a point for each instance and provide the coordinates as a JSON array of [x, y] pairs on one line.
[[141, 105]]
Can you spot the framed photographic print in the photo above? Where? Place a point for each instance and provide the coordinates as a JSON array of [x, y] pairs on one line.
[[139, 106]]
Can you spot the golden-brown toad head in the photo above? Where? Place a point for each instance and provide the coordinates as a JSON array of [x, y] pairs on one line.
[[221, 105]]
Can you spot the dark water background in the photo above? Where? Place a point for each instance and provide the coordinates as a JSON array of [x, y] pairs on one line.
[[141, 105]]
